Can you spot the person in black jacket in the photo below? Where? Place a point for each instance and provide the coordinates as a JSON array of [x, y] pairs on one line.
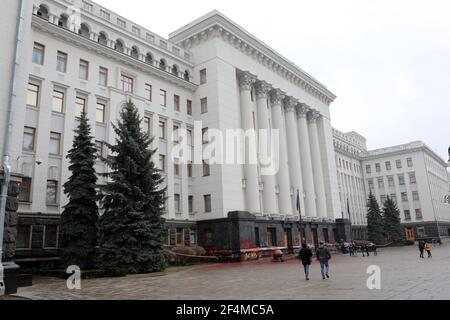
[[305, 256], [421, 248]]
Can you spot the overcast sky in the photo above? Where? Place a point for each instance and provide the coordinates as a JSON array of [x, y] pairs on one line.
[[387, 61]]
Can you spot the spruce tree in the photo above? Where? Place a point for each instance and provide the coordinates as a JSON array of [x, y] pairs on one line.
[[79, 220], [392, 222], [375, 227], [131, 227]]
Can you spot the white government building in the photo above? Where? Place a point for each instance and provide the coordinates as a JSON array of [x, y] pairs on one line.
[[76, 55]]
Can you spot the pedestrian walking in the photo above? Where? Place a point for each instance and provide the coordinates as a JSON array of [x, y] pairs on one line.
[[428, 249], [305, 256], [324, 256], [421, 248], [367, 250], [374, 248]]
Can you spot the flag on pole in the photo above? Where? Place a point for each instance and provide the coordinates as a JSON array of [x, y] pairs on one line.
[[348, 209], [299, 209]]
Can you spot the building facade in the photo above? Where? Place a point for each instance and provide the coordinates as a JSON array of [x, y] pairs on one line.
[[413, 175]]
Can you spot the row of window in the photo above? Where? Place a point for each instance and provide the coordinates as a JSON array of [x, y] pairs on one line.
[[51, 197], [391, 182], [404, 196], [398, 164], [206, 203], [25, 237], [181, 237], [349, 166]]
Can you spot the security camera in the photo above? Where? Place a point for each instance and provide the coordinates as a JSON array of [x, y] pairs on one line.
[[38, 161]]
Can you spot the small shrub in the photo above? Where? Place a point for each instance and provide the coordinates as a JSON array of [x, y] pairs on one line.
[[199, 251], [184, 250]]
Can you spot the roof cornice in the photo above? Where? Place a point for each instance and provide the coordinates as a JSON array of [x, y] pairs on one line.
[[216, 25], [71, 37]]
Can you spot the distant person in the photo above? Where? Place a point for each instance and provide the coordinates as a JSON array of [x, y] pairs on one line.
[[421, 248], [439, 242], [306, 258], [324, 256], [374, 249], [367, 250], [428, 248]]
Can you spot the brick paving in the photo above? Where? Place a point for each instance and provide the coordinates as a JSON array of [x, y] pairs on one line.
[[404, 276]]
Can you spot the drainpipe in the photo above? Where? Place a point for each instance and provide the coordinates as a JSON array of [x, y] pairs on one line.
[[6, 158]]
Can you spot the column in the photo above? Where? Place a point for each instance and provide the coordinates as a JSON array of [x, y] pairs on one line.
[[305, 161], [246, 81], [316, 158], [294, 152], [269, 181], [284, 184]]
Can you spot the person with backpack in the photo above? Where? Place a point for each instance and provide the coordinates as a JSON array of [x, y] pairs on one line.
[[324, 256], [428, 249], [305, 256]]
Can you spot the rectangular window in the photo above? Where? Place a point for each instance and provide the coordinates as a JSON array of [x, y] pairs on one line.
[[180, 236], [189, 137], [398, 164], [52, 192], [204, 105], [394, 197], [380, 183], [127, 83], [148, 92], [189, 169], [177, 200], [388, 166], [55, 143], [176, 134], [271, 237], [25, 190], [391, 182], [415, 195], [103, 77], [80, 106], [148, 125], [87, 6], [100, 112], [383, 199], [412, 178], [191, 204], [105, 15], [136, 30], [162, 130], [189, 107], [205, 138], [368, 169], [404, 197], [23, 239], [163, 98], [378, 167], [150, 38], [206, 169], [401, 180], [370, 183], [207, 202], [176, 103], [51, 236], [162, 163], [419, 214], [410, 162], [121, 23], [38, 53], [407, 215], [193, 237], [84, 70], [33, 95], [176, 169], [58, 101], [29, 137], [203, 76], [100, 146], [61, 62]]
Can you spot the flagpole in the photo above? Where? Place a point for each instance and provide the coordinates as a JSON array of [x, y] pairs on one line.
[[300, 217]]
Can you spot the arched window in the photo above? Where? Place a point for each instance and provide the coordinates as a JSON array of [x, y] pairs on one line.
[[63, 21], [162, 64], [85, 31], [186, 75], [149, 58], [135, 52], [175, 70], [119, 46], [103, 38], [43, 12]]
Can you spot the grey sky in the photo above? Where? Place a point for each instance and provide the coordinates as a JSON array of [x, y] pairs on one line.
[[387, 61]]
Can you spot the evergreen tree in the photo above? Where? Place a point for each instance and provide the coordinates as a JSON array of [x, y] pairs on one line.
[[79, 220], [131, 226], [375, 225], [392, 222]]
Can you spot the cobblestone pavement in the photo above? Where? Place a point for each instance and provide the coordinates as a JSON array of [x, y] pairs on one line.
[[403, 275]]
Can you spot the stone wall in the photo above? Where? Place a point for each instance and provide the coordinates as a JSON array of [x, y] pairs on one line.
[[11, 219]]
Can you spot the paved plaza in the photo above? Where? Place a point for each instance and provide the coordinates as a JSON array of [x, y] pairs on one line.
[[403, 276]]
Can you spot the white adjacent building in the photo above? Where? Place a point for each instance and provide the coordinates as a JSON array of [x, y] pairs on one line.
[[413, 175]]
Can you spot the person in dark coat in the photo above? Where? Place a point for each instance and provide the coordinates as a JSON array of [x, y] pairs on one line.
[[305, 256], [421, 248], [324, 256]]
